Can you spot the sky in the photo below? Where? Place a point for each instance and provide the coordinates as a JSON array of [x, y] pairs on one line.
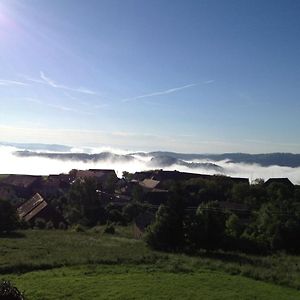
[[189, 76]]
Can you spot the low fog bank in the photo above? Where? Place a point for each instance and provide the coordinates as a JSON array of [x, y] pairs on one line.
[[119, 160]]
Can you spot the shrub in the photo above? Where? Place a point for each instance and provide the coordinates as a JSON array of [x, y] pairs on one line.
[[78, 228], [110, 229], [9, 292], [62, 226], [24, 225], [97, 229], [49, 225], [117, 217], [40, 223]]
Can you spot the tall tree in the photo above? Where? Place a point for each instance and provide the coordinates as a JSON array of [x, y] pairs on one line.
[[167, 232], [8, 217]]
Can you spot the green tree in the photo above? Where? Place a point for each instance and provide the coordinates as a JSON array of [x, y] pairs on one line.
[[133, 209], [127, 176], [8, 217], [114, 214], [240, 192], [137, 193], [207, 228], [167, 232], [234, 227], [84, 204], [278, 223], [109, 184]]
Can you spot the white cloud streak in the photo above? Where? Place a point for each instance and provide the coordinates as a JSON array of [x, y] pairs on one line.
[[160, 93], [208, 81], [6, 82], [50, 82]]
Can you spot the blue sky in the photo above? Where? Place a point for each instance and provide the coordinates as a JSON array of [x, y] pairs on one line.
[[190, 76]]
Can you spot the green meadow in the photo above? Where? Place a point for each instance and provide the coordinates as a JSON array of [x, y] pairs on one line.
[[143, 282], [53, 264]]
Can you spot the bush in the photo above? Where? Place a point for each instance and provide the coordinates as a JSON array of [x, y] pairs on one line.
[[40, 223], [9, 292], [110, 229], [24, 225], [78, 228], [49, 225], [116, 216], [62, 226]]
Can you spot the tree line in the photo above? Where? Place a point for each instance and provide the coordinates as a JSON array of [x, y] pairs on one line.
[[194, 216], [270, 223]]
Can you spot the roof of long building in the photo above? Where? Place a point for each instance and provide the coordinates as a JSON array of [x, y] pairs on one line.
[[31, 207], [23, 181]]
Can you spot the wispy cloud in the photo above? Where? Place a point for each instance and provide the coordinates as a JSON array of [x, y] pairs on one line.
[[160, 93], [208, 81], [6, 82], [57, 106], [52, 83]]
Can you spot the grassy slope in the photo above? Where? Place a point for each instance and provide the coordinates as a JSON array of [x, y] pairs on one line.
[[131, 282], [128, 267]]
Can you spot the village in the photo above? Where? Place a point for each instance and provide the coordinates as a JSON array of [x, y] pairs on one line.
[[36, 197]]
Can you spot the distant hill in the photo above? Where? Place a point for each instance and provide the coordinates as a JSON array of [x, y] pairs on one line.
[[162, 159], [85, 157], [157, 159], [37, 146], [268, 159]]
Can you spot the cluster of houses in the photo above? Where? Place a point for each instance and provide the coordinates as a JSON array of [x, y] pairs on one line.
[[32, 192]]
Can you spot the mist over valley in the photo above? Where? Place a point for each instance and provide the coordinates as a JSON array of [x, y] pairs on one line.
[[43, 159]]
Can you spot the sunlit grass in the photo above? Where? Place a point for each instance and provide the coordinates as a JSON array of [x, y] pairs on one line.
[[37, 250], [141, 282]]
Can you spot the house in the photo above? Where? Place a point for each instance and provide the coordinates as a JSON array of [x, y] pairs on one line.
[[7, 192], [36, 208], [24, 185], [163, 176], [54, 185], [101, 175], [149, 183], [284, 181]]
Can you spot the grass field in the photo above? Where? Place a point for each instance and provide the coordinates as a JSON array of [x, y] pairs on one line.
[[142, 282], [92, 265]]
